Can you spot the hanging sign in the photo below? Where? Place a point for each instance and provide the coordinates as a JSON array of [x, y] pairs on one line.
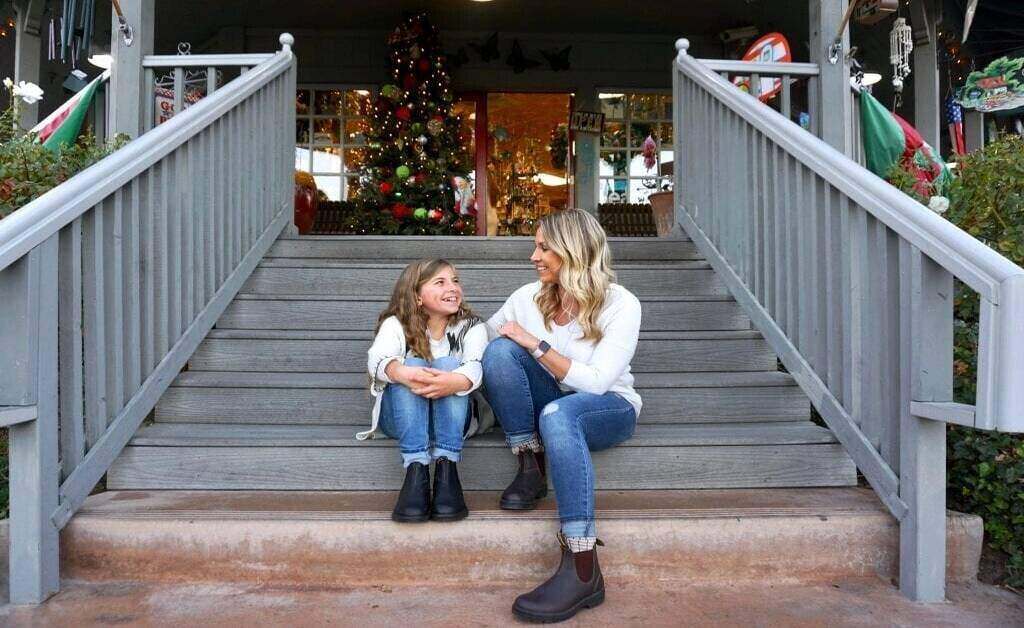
[[874, 11], [586, 122], [1000, 86], [165, 102], [771, 48]]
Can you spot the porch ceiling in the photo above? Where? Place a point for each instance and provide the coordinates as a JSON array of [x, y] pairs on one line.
[[181, 17]]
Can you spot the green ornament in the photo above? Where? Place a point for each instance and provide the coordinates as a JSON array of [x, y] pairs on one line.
[[390, 91], [402, 172], [417, 128], [420, 213]]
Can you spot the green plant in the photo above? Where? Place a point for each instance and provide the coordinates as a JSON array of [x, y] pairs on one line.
[[28, 169], [985, 470]]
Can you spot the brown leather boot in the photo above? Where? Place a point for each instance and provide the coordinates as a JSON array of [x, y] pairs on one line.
[[577, 584], [529, 485]]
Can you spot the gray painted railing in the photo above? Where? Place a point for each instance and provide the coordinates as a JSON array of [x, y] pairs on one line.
[[851, 282], [110, 281], [177, 66]]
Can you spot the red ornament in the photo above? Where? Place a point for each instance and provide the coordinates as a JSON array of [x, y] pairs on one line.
[[459, 224], [401, 211], [386, 188], [409, 82], [403, 113], [420, 177], [424, 65], [435, 215]]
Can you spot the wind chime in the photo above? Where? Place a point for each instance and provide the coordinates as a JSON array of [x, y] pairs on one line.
[[71, 31], [901, 44]]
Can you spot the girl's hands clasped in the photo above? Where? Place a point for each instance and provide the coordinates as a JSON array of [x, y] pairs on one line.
[[428, 382]]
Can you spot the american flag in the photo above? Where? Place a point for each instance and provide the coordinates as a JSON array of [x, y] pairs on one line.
[[955, 119]]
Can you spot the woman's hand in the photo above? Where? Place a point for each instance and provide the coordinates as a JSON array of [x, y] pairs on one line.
[[407, 375], [515, 332], [435, 384]]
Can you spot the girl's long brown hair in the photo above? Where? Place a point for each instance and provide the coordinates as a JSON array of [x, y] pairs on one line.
[[413, 318]]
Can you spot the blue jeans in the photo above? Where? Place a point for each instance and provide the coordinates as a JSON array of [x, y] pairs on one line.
[[426, 429], [527, 400]]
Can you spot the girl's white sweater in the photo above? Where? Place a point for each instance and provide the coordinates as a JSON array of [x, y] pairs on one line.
[[596, 368]]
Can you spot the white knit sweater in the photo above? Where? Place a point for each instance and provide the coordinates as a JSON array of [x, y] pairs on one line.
[[596, 368], [464, 340]]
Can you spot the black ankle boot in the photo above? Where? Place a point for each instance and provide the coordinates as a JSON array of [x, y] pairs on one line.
[[449, 504], [529, 485], [414, 500], [577, 584]]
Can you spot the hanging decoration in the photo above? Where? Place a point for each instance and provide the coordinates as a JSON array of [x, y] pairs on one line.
[[901, 44], [650, 153], [488, 50], [518, 60], [771, 48], [559, 146], [457, 59], [123, 27], [972, 9], [557, 59], [998, 87], [415, 154]]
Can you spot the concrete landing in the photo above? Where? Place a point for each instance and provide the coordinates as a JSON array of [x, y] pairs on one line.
[[323, 539], [836, 603]]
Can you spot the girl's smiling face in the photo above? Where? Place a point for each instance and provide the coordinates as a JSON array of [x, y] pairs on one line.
[[441, 295], [545, 261]]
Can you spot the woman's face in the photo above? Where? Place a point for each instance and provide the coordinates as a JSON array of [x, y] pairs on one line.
[[545, 260], [441, 295]]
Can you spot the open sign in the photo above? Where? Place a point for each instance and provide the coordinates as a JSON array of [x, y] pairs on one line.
[[771, 48]]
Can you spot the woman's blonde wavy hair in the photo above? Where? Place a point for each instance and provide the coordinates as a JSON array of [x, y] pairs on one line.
[[413, 318], [578, 240]]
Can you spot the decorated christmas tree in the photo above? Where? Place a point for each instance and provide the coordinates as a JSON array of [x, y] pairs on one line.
[[415, 148]]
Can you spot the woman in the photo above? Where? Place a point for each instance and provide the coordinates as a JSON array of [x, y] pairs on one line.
[[558, 378]]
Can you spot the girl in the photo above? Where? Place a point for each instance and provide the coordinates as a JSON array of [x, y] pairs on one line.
[[558, 377], [423, 365]]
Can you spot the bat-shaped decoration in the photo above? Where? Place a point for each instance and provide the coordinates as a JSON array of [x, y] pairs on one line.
[[458, 58], [488, 51], [518, 60], [557, 59]]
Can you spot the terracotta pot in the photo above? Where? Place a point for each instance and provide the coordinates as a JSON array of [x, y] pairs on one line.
[[663, 208], [306, 203]]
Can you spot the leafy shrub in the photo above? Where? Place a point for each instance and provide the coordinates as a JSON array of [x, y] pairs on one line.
[[985, 470]]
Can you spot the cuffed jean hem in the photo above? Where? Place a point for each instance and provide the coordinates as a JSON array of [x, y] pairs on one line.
[[441, 452], [422, 457], [583, 527], [517, 439]]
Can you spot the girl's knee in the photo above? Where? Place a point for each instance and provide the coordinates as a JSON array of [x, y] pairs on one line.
[[446, 363], [416, 362]]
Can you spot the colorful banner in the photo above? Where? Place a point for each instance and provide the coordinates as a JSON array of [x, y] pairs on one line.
[[1000, 86]]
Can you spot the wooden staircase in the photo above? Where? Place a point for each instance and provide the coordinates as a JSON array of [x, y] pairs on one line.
[[274, 395]]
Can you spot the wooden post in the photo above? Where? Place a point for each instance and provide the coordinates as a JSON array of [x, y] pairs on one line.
[[127, 87], [834, 97], [588, 147], [927, 113], [974, 130], [926, 325], [30, 356], [27, 49]]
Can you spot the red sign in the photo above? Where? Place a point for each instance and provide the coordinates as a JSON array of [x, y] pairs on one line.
[[771, 48]]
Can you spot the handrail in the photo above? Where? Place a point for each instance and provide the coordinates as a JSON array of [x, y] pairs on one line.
[[851, 283], [204, 61], [971, 261], [31, 225], [760, 67], [109, 283]]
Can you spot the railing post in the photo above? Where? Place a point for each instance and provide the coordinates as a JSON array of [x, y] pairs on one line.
[[127, 87], [927, 375], [834, 100], [28, 333]]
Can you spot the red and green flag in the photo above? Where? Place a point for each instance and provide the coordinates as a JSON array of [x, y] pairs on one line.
[[889, 140], [61, 128]]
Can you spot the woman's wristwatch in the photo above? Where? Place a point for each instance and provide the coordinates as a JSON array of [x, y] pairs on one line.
[[541, 349]]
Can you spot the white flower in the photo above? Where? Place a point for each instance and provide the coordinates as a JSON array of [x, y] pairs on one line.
[[938, 204], [29, 92], [8, 83]]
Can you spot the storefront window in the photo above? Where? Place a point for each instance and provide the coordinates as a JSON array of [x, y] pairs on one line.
[[330, 131], [630, 118]]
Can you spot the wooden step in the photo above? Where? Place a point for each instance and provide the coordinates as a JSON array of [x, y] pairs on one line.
[[462, 248], [329, 312], [195, 456], [345, 352], [333, 277], [343, 399]]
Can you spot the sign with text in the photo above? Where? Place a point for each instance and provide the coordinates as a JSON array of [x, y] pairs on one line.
[[587, 121]]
